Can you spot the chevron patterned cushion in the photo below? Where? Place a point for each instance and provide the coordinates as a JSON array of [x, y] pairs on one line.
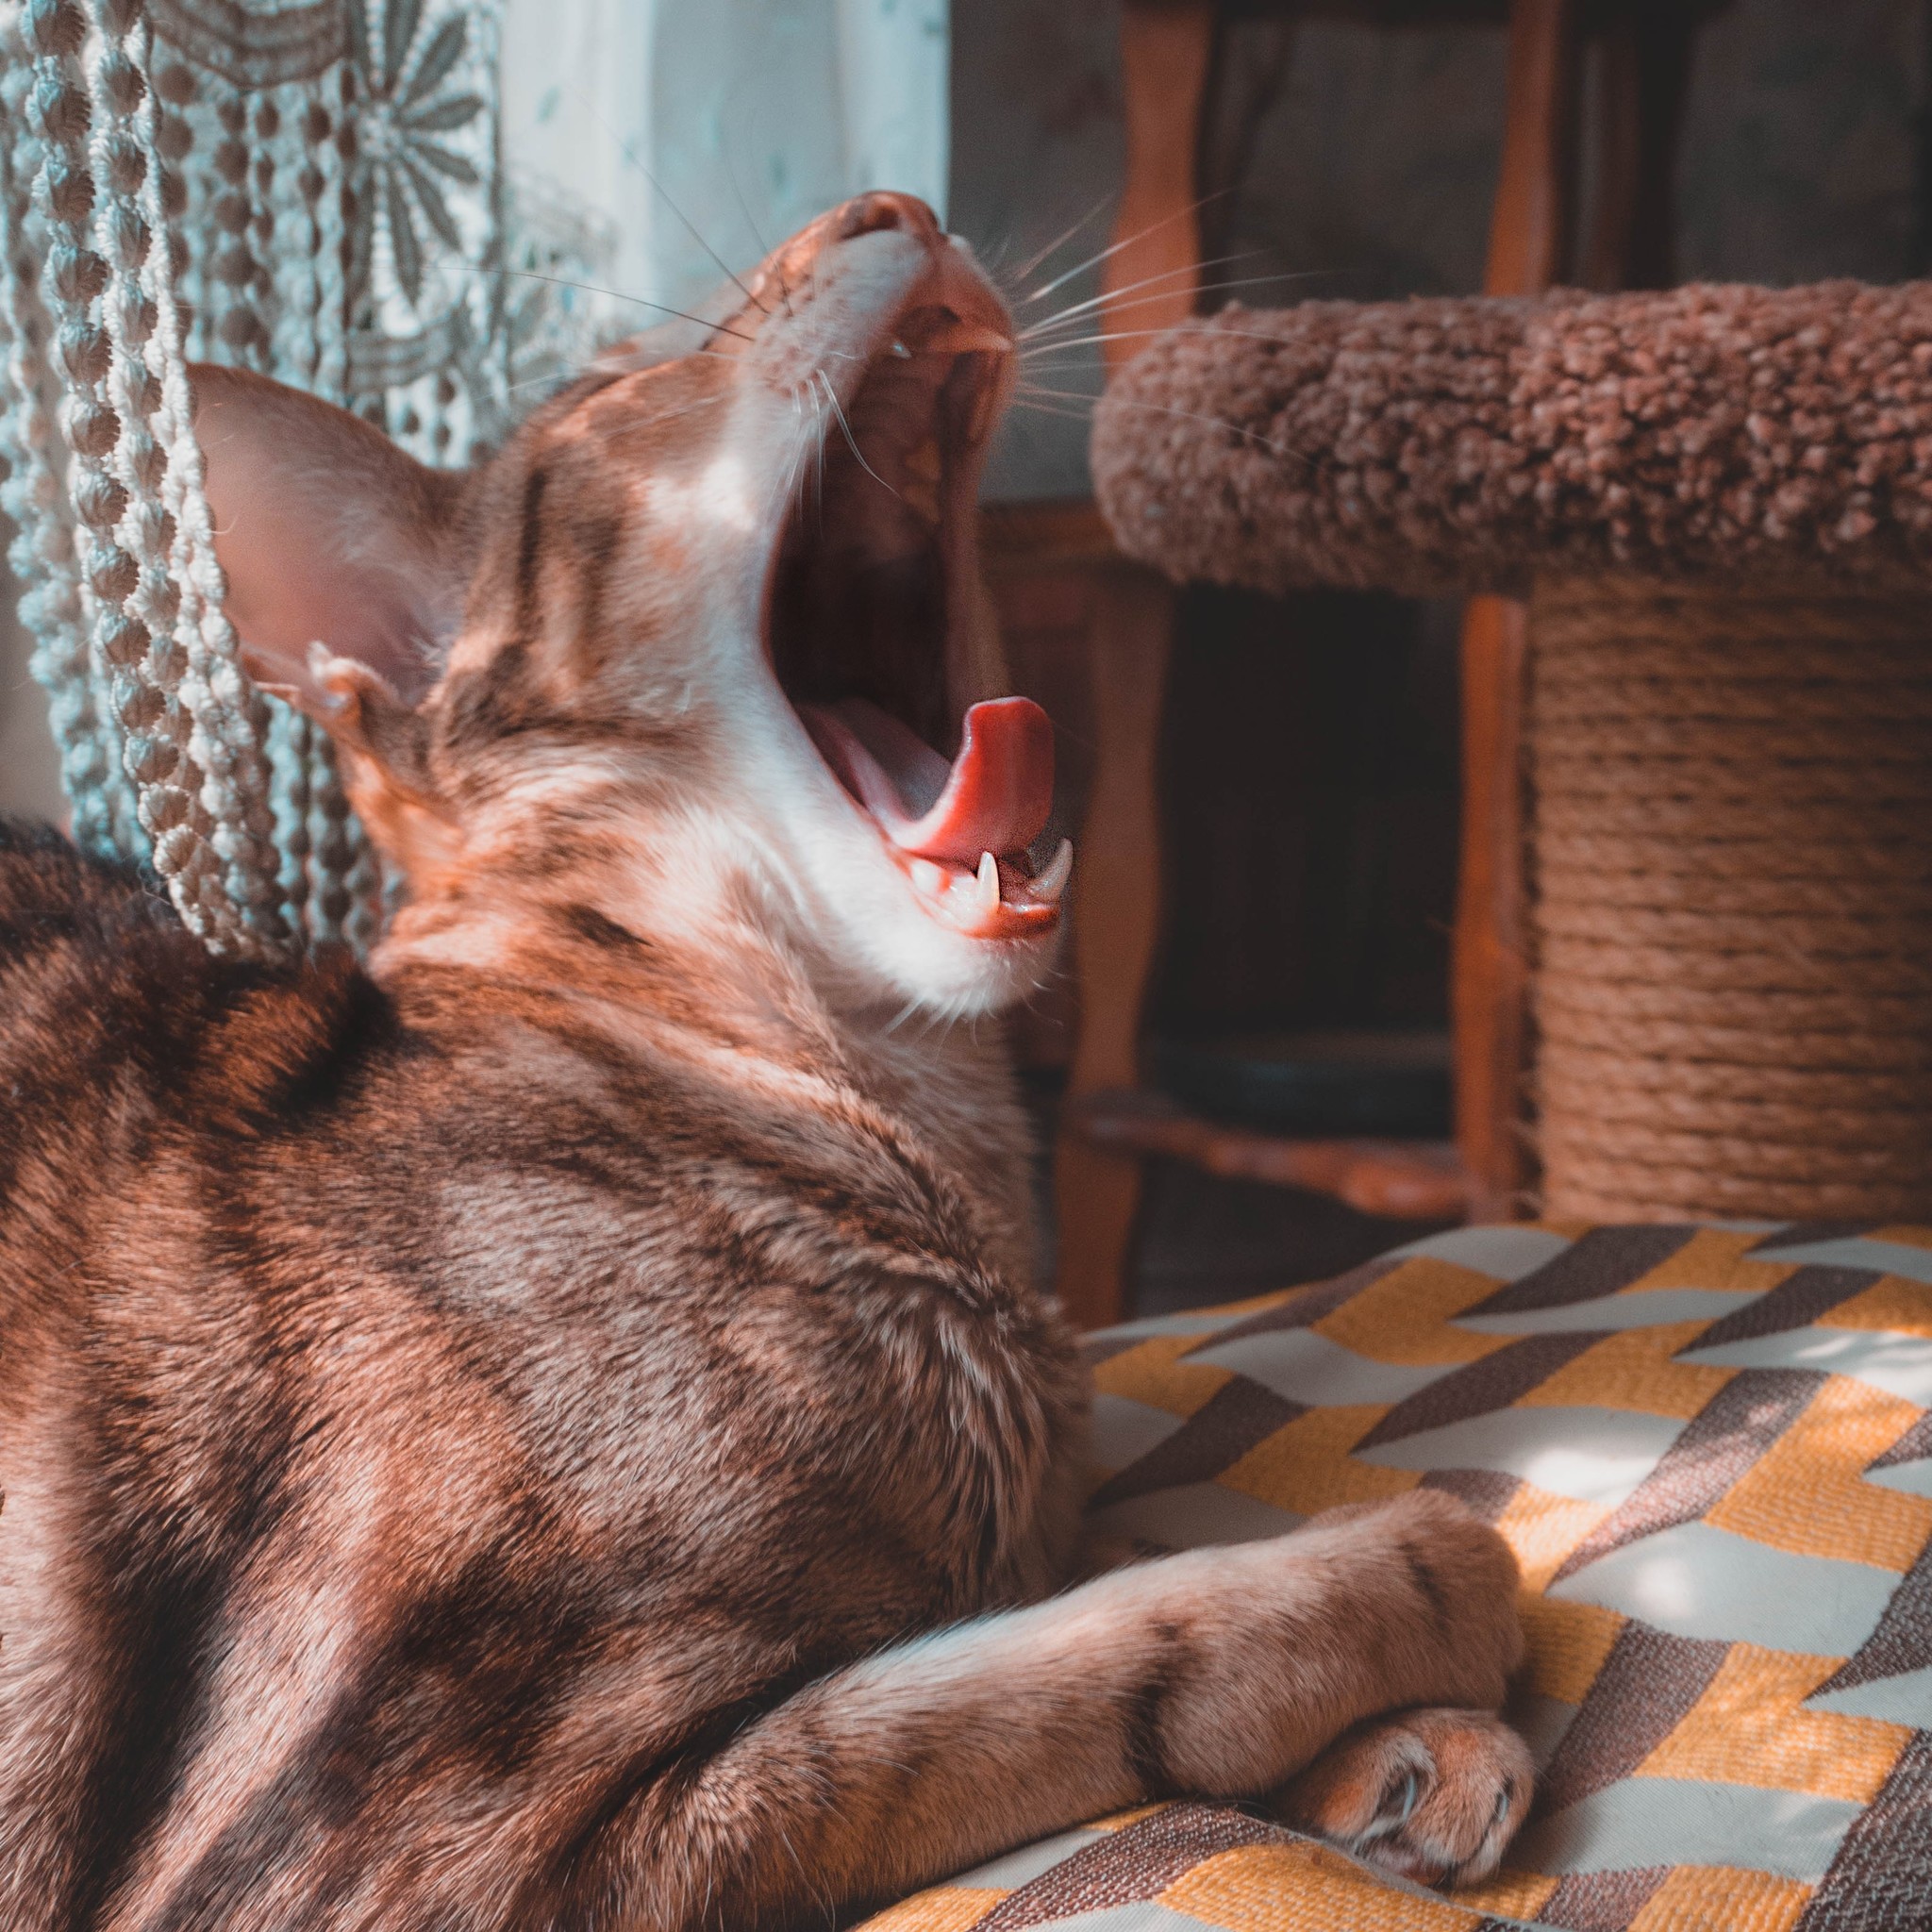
[[1713, 1451]]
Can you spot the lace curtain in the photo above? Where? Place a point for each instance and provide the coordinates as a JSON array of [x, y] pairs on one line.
[[658, 139]]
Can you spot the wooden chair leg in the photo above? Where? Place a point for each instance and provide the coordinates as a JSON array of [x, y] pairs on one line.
[[1490, 974], [1116, 915], [1529, 225], [1150, 280]]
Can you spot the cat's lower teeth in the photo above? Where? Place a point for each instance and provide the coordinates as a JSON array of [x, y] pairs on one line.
[[979, 891]]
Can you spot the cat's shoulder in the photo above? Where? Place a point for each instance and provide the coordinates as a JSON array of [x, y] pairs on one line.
[[48, 888], [101, 983], [73, 928]]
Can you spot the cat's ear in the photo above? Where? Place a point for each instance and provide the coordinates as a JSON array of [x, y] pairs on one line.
[[329, 536]]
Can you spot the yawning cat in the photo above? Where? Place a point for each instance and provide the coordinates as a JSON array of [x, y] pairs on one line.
[[554, 1433]]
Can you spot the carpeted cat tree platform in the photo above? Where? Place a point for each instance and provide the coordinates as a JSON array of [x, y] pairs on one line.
[[1718, 502]]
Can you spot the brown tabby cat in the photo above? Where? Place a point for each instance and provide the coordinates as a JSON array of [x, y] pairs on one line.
[[554, 1432]]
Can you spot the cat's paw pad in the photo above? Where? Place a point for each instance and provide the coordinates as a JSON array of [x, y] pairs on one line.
[[1432, 1795]]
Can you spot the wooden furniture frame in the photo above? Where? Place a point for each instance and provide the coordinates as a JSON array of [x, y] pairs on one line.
[[1109, 1122]]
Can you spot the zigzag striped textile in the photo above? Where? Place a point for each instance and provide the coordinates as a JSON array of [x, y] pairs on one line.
[[1711, 1449]]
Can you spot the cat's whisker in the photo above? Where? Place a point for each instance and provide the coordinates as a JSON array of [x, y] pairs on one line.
[[818, 453], [1130, 298], [1033, 353], [531, 275], [1166, 274], [691, 408], [1025, 268], [1121, 402], [1179, 214], [757, 235], [851, 441], [1030, 400], [744, 208], [1048, 409], [631, 154], [1124, 299]]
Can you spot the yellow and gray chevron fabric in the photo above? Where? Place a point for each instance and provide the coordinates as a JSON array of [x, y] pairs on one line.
[[1711, 1449]]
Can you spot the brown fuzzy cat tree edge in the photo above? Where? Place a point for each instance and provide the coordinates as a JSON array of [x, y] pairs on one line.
[[1719, 502]]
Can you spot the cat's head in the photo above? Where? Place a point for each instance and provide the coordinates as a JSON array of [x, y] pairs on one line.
[[709, 624]]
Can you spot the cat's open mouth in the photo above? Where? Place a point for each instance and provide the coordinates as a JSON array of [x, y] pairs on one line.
[[873, 596]]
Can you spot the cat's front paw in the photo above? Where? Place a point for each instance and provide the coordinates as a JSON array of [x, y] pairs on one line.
[[1432, 1795], [1438, 1586]]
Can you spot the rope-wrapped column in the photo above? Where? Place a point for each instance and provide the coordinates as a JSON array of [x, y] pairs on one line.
[[1731, 855]]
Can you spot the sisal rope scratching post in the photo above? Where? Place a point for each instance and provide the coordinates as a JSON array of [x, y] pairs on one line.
[[1719, 502]]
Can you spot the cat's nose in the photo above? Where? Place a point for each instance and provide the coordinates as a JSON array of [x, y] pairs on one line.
[[866, 214]]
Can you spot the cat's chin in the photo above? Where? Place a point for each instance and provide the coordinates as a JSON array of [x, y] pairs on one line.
[[927, 965]]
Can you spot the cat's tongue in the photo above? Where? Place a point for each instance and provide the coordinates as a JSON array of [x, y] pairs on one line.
[[993, 797]]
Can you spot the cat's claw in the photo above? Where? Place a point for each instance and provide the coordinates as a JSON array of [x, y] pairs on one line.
[[1432, 1795]]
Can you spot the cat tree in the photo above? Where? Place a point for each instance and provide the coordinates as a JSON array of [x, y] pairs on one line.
[[1718, 504]]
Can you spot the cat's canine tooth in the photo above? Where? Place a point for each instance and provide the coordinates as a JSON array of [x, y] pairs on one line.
[[988, 883], [984, 408], [1049, 883]]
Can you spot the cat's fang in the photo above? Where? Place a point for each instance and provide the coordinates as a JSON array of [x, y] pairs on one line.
[[988, 883], [1049, 885], [986, 406]]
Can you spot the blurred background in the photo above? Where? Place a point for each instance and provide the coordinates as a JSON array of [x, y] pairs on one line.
[[1307, 789]]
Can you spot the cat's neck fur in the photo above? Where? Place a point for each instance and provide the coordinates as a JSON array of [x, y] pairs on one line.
[[713, 970]]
